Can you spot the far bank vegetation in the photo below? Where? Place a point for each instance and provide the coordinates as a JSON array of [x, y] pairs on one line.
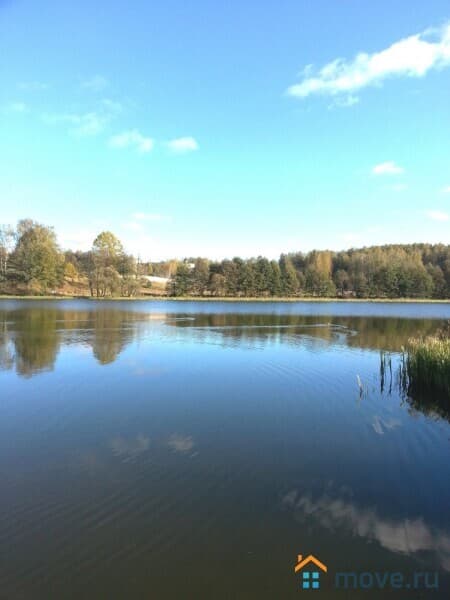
[[31, 262]]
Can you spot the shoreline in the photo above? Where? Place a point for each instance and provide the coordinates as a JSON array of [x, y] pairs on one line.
[[234, 299]]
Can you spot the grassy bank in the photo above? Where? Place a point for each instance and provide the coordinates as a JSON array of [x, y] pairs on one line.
[[227, 299], [301, 299], [17, 297]]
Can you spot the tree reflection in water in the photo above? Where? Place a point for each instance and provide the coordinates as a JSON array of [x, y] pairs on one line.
[[30, 339]]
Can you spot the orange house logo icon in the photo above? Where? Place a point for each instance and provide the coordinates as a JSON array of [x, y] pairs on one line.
[[310, 568]]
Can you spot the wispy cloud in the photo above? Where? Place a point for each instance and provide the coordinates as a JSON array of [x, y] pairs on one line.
[[344, 102], [412, 56], [112, 106], [86, 124], [387, 168], [32, 86], [17, 107], [132, 138], [437, 215], [97, 83], [182, 145], [446, 190]]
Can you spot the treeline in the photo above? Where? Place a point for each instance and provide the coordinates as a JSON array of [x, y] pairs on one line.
[[29, 255], [395, 271]]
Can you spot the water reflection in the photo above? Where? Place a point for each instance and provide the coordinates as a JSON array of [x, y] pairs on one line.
[[35, 343], [183, 444], [31, 338], [405, 536], [110, 335], [394, 380], [380, 333], [382, 425], [100, 483], [128, 449]]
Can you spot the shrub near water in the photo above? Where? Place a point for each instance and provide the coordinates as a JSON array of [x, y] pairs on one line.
[[428, 363]]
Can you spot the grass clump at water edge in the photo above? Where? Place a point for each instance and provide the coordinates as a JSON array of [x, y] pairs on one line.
[[427, 362], [422, 374]]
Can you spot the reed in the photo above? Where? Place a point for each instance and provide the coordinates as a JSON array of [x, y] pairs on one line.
[[427, 362]]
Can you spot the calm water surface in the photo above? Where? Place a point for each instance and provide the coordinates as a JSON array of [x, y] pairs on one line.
[[193, 450]]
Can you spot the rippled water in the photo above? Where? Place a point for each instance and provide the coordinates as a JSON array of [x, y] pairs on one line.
[[193, 450]]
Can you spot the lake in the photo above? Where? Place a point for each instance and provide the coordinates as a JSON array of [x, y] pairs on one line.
[[153, 449]]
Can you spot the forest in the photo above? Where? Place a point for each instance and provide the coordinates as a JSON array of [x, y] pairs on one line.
[[31, 262]]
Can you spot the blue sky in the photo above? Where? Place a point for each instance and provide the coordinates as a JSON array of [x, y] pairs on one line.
[[222, 129]]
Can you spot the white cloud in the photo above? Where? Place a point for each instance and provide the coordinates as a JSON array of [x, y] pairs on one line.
[[437, 215], [413, 56], [32, 86], [387, 168], [97, 83], [132, 138], [446, 190], [182, 145]]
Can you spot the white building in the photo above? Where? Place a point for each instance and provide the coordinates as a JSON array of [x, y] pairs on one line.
[[154, 279]]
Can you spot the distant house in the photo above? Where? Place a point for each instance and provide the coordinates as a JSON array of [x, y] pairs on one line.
[[310, 568], [154, 279]]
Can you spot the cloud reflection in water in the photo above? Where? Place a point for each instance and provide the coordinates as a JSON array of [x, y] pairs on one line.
[[182, 444], [406, 536], [128, 449]]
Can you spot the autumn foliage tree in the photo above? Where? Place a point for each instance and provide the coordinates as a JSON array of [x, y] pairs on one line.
[[36, 258]]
